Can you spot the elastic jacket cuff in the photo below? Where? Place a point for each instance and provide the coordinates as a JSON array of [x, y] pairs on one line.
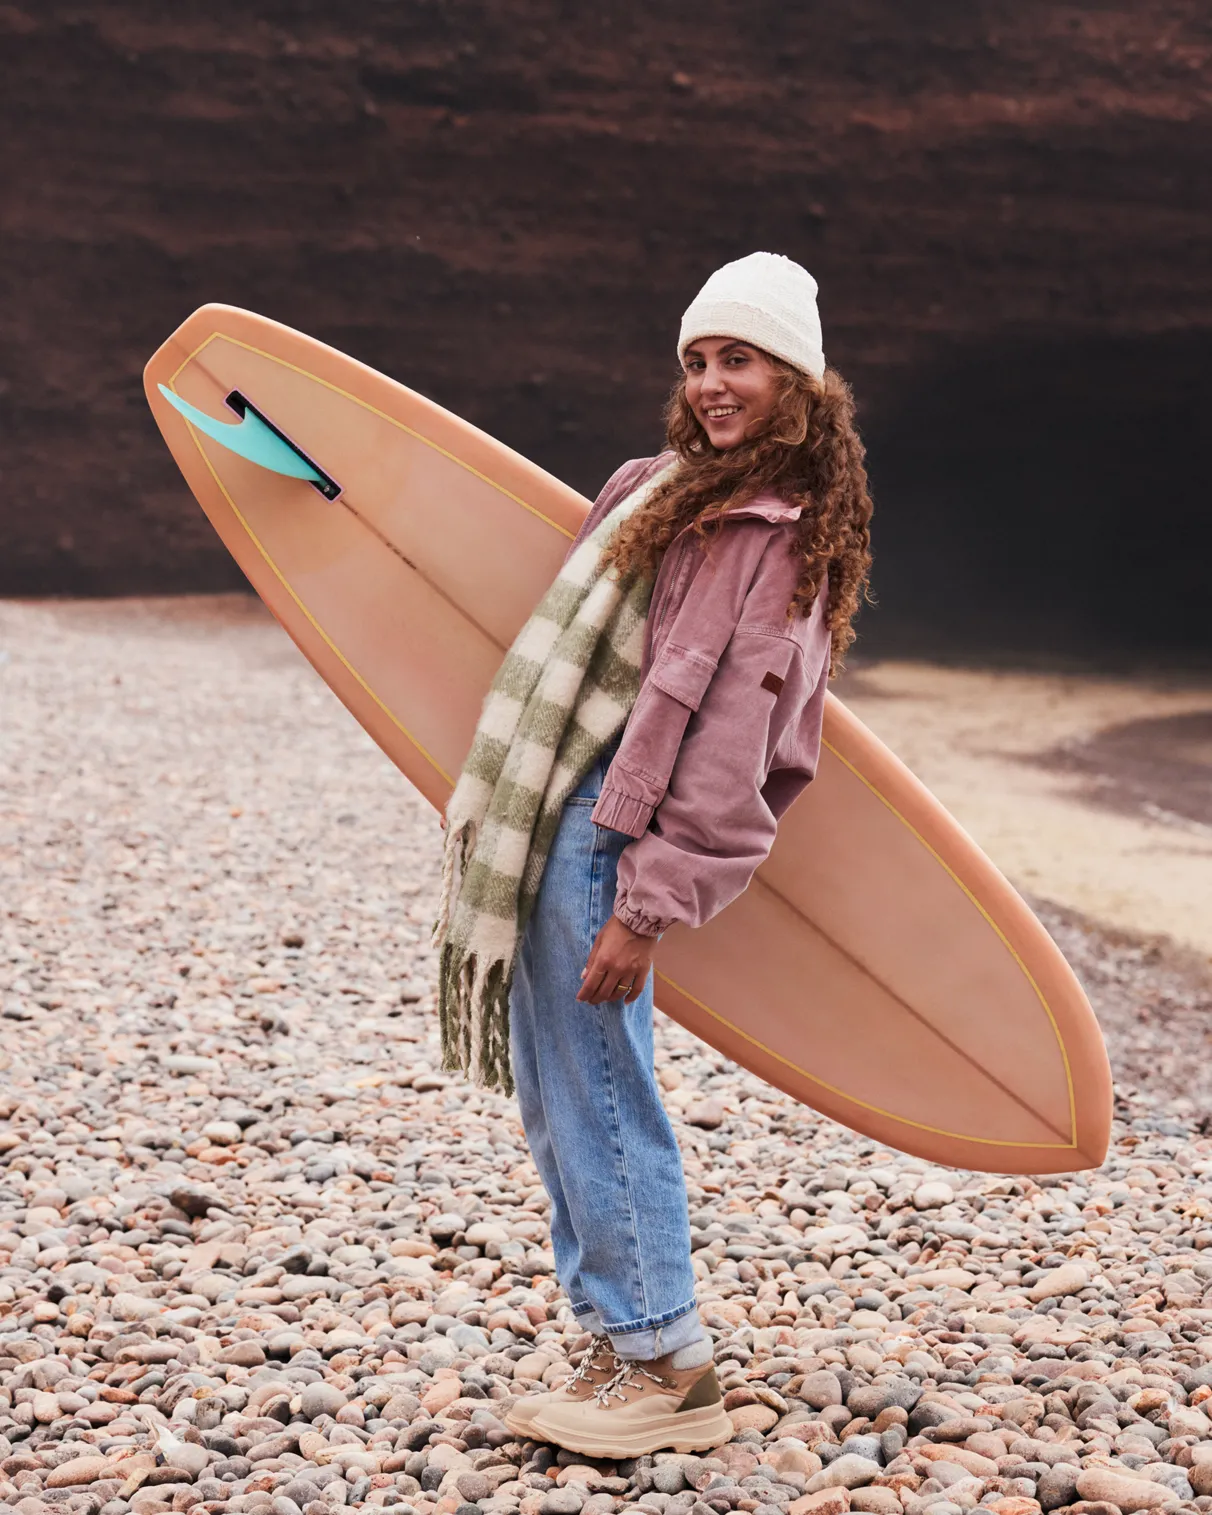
[[637, 921]]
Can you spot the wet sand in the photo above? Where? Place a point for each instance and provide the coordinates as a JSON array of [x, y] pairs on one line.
[[1093, 793]]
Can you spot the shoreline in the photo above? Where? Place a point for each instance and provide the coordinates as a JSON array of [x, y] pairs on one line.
[[1092, 792]]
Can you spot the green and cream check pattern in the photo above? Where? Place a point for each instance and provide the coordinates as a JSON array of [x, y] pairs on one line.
[[564, 691]]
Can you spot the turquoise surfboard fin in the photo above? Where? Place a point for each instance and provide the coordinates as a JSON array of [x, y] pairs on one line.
[[254, 439]]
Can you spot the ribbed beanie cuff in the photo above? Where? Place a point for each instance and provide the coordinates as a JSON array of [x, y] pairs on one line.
[[765, 299]]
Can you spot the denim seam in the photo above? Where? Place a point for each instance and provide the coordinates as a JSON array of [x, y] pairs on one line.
[[620, 1150], [648, 1322]]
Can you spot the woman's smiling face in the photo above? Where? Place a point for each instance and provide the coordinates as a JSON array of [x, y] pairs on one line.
[[730, 386]]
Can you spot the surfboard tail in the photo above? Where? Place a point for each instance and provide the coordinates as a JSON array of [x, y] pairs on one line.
[[255, 438]]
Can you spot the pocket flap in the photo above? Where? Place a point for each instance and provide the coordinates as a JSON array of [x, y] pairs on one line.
[[683, 674]]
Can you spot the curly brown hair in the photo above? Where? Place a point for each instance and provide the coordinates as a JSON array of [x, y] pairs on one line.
[[810, 454]]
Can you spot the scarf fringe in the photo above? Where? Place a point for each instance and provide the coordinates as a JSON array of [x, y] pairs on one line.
[[473, 1015], [473, 1002]]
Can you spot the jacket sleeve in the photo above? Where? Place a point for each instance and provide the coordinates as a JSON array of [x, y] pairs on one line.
[[714, 827]]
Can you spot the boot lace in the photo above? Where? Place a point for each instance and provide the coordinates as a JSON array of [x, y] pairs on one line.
[[581, 1372], [624, 1379]]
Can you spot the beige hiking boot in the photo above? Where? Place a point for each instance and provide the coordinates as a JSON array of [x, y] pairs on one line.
[[645, 1406], [598, 1365]]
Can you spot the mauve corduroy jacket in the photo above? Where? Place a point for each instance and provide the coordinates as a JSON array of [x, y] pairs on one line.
[[726, 730]]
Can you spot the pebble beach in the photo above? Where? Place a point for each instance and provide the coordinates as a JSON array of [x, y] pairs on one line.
[[259, 1253]]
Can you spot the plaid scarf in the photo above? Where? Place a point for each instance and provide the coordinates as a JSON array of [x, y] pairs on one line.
[[564, 691]]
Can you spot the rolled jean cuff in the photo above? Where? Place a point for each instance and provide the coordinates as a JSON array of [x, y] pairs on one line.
[[644, 1340], [588, 1319]]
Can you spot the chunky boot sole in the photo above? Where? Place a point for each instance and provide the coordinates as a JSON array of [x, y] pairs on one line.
[[520, 1419], [681, 1431]]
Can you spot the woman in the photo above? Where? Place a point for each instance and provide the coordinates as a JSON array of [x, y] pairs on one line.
[[650, 724]]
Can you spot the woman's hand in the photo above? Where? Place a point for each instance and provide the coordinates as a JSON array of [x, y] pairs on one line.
[[618, 966]]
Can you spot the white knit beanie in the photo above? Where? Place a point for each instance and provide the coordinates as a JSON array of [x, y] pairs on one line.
[[765, 299]]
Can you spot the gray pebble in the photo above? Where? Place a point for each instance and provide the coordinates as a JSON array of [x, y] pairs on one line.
[[866, 1446], [561, 1502], [320, 1399], [474, 1486]]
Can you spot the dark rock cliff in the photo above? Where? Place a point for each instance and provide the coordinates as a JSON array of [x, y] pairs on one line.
[[507, 206]]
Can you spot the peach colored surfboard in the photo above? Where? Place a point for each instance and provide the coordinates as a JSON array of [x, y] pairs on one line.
[[879, 968]]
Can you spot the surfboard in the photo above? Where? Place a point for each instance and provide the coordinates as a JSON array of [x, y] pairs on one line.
[[879, 968]]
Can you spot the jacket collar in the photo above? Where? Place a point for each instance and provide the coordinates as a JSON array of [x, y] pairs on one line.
[[766, 506]]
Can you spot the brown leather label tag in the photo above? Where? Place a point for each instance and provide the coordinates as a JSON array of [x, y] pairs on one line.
[[773, 683]]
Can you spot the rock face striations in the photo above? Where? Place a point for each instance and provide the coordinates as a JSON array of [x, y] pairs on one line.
[[508, 206]]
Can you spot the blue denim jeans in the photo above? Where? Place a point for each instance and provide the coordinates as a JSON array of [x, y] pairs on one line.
[[593, 1115]]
